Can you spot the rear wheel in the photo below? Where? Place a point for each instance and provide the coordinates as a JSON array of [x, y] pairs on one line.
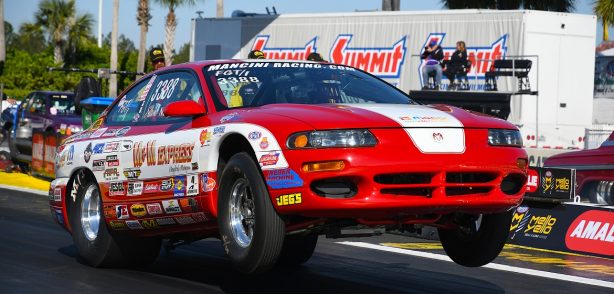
[[478, 240], [298, 249], [252, 232], [95, 243]]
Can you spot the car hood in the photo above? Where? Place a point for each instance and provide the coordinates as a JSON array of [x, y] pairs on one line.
[[340, 116], [601, 156]]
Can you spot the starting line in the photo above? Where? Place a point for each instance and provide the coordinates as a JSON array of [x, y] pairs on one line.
[[496, 266]]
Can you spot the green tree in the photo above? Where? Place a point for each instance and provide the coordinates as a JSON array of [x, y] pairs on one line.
[[30, 38], [548, 5], [604, 9], [171, 25], [59, 20], [184, 54]]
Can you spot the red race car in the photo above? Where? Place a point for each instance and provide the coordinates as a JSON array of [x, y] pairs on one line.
[[594, 171], [267, 155]]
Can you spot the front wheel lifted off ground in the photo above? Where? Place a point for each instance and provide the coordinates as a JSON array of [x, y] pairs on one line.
[[478, 240], [252, 232], [96, 245]]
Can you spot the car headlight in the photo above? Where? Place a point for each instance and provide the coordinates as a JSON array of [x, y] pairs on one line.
[[331, 139], [509, 138]]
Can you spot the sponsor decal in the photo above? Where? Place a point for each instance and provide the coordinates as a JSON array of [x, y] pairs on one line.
[[97, 124], [132, 173], [552, 183], [189, 205], [147, 89], [384, 62], [532, 180], [135, 188], [205, 137], [110, 133], [167, 185], [192, 185], [98, 165], [283, 178], [166, 221], [109, 211], [297, 53], [218, 131], [199, 217], [59, 216], [255, 135], [98, 148], [151, 188], [207, 183], [111, 147], [229, 117], [437, 137], [269, 159], [125, 146], [111, 174], [592, 231], [116, 189], [117, 225], [70, 155], [153, 208], [148, 154], [171, 206], [149, 224], [98, 133], [530, 225], [184, 220], [181, 168], [481, 57], [264, 144], [138, 210], [121, 211], [194, 165], [289, 199], [57, 194], [180, 186], [122, 131], [423, 119], [134, 225], [87, 154], [112, 160]]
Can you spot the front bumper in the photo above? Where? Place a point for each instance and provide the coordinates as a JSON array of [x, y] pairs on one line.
[[395, 180]]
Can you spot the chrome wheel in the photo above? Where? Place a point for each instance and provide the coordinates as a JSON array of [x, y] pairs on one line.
[[242, 212], [90, 212]]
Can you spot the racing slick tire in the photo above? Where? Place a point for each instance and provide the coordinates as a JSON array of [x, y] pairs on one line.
[[95, 244], [252, 233], [298, 249], [477, 241]]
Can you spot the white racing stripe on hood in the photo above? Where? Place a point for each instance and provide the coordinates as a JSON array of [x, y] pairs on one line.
[[431, 130]]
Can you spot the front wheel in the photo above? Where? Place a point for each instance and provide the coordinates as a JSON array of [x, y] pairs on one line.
[[95, 244], [252, 232], [298, 249], [478, 240]]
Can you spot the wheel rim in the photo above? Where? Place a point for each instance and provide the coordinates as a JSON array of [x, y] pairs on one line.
[[90, 213], [242, 220]]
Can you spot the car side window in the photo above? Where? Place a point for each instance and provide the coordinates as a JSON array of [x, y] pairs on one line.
[[126, 110], [168, 88], [38, 104]]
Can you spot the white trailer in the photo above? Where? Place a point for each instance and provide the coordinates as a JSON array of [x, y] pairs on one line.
[[387, 44]]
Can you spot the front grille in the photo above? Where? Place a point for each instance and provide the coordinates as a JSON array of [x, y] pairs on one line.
[[438, 184]]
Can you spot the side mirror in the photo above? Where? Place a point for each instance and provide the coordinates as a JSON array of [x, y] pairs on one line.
[[183, 109]]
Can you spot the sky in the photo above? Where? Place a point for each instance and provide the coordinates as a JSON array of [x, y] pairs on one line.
[[19, 11]]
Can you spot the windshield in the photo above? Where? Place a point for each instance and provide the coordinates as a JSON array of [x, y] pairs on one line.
[[62, 106], [251, 84]]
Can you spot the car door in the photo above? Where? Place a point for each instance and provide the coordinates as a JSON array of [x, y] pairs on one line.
[[37, 111], [157, 155]]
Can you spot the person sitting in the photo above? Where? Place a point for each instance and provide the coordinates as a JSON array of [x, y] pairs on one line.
[[433, 54], [456, 66]]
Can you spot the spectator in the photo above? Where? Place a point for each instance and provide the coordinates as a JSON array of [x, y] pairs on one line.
[[456, 64], [433, 54], [157, 58], [255, 54], [315, 56]]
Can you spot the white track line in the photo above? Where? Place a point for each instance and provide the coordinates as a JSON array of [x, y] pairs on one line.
[[501, 267], [26, 190]]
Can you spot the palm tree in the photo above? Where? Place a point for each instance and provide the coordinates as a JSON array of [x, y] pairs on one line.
[[171, 25], [142, 17], [79, 32], [604, 9], [57, 18], [555, 5], [114, 29]]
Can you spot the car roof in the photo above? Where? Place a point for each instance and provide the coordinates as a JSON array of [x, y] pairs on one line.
[[203, 63]]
